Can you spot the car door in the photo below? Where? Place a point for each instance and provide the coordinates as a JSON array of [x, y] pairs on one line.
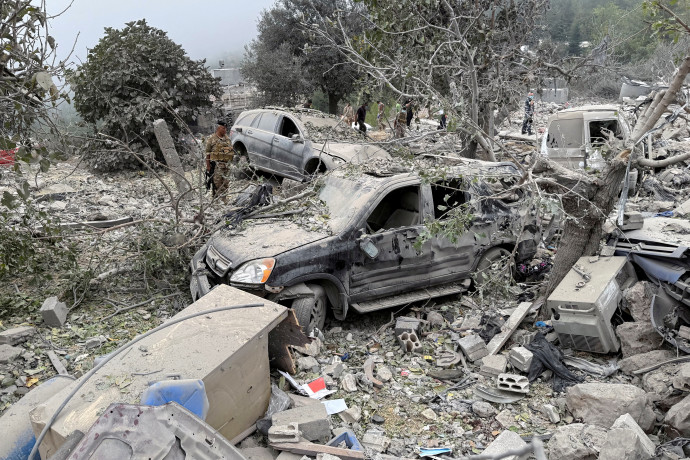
[[287, 154], [453, 252], [392, 258], [262, 133]]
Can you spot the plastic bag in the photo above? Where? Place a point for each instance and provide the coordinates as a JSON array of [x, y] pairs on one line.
[[548, 356]]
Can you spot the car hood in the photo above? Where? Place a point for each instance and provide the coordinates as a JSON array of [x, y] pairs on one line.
[[262, 239], [356, 153]]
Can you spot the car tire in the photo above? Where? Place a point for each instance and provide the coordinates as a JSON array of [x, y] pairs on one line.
[[490, 261], [311, 311]]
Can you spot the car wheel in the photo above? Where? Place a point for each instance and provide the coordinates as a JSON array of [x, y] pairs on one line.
[[311, 311], [494, 262]]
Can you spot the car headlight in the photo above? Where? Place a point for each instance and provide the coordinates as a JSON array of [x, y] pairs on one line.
[[254, 272]]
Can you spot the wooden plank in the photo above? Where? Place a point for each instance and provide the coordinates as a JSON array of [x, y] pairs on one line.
[[57, 364], [508, 328], [311, 449]]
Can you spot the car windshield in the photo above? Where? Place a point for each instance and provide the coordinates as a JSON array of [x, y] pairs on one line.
[[343, 197]]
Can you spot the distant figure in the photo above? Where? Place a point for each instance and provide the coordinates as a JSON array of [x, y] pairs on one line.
[[529, 114], [408, 108], [349, 114], [361, 115], [307, 105], [442, 124], [398, 107], [381, 116], [399, 124]]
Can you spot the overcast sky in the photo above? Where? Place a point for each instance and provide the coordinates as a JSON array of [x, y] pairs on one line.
[[204, 28]]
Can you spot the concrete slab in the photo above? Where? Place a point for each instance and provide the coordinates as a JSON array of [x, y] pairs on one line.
[[227, 350]]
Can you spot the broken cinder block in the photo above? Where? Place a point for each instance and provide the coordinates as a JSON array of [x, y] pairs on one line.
[[312, 421], [284, 433], [513, 382], [54, 312], [493, 365], [520, 358], [16, 335], [409, 342], [473, 346]]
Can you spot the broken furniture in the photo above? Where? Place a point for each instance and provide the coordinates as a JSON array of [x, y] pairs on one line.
[[584, 303], [128, 431], [228, 350]]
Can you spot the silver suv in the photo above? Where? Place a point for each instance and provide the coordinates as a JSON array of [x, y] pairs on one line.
[[278, 142]]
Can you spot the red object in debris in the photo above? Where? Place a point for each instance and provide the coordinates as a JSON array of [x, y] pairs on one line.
[[405, 373], [7, 157], [317, 385]]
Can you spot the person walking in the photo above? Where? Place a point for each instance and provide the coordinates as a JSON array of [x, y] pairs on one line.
[[529, 114], [361, 116], [219, 153], [399, 124], [443, 122], [349, 114], [408, 109]]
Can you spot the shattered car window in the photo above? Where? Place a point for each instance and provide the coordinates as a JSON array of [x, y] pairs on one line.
[[342, 198], [400, 208], [566, 133], [447, 195]]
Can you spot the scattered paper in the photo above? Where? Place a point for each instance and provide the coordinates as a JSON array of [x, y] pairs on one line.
[[335, 405]]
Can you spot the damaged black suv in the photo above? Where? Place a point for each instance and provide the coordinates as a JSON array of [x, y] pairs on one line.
[[377, 241]]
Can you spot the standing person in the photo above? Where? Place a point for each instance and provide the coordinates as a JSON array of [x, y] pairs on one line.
[[399, 124], [349, 114], [361, 116], [381, 116], [529, 114], [307, 105], [443, 122], [219, 153], [408, 108]]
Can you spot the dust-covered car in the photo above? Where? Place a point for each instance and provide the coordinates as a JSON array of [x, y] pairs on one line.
[[375, 241], [278, 142], [576, 137]]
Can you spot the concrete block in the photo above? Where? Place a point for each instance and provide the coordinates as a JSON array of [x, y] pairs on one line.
[[520, 358], [284, 433], [681, 381], [258, 453], [409, 342], [16, 335], [684, 332], [504, 442], [376, 441], [493, 365], [54, 312], [551, 412], [473, 346], [513, 382], [308, 363], [312, 421], [8, 353], [301, 401], [407, 324], [285, 455], [627, 422], [351, 415]]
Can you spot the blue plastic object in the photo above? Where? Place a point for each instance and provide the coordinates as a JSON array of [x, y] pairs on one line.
[[541, 324], [350, 440], [190, 394]]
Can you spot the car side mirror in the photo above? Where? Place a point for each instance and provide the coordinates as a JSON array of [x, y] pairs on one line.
[[368, 248], [295, 138]]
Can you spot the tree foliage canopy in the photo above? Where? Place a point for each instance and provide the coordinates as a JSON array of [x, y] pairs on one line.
[[136, 75], [26, 86], [287, 63]]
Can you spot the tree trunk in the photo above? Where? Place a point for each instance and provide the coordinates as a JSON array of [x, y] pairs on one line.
[[333, 100], [592, 198], [587, 211]]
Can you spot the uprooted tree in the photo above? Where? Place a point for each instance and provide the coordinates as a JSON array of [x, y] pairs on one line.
[[132, 77]]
